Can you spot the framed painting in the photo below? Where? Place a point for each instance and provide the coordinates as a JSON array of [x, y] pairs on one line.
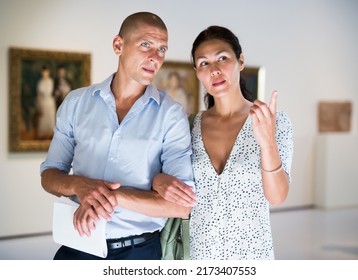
[[39, 81], [255, 79], [334, 116], [179, 80]]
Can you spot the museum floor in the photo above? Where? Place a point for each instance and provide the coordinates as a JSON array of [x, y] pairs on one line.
[[303, 234]]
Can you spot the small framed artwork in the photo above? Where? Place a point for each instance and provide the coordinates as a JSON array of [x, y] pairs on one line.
[[334, 116], [39, 81], [255, 81], [179, 80]]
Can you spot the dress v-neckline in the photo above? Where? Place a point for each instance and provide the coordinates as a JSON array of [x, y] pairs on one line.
[[228, 160]]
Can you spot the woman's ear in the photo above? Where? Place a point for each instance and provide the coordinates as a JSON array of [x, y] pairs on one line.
[[117, 44], [242, 62]]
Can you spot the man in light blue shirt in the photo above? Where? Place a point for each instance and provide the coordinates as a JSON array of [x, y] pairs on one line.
[[116, 136]]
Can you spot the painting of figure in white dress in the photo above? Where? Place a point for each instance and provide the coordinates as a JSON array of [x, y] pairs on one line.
[[45, 105], [39, 81]]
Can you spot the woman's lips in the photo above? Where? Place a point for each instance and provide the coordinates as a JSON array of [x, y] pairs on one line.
[[219, 83]]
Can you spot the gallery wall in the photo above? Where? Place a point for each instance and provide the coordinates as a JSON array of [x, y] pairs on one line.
[[306, 47]]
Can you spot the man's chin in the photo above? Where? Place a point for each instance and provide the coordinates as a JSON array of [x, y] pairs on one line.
[[146, 82]]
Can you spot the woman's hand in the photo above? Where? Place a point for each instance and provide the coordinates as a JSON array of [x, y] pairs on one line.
[[264, 122], [274, 179], [174, 190]]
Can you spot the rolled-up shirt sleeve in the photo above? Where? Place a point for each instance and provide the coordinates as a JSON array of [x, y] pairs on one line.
[[177, 150], [61, 150]]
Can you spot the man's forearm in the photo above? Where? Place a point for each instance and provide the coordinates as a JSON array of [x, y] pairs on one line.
[[58, 183], [149, 203]]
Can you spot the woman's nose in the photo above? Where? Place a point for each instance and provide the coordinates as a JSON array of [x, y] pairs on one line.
[[215, 72]]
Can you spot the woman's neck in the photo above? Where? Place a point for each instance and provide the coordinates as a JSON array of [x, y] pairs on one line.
[[231, 105]]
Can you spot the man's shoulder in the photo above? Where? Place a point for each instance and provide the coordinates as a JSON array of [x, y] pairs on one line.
[[90, 90], [76, 94], [83, 92]]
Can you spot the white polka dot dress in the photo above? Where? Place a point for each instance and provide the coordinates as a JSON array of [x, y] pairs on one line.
[[231, 219]]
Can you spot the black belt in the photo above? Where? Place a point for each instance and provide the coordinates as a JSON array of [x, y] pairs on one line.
[[130, 240]]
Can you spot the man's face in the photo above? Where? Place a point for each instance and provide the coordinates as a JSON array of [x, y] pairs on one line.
[[142, 53]]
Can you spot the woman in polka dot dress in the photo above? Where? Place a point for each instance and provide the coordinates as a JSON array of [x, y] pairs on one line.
[[242, 154]]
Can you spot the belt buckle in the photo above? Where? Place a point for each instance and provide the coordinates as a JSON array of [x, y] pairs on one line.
[[122, 243], [132, 240], [118, 244]]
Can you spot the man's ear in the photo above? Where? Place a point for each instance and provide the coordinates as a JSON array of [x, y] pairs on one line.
[[118, 44], [242, 62]]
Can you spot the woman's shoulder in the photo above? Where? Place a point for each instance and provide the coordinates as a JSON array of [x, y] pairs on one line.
[[194, 115], [282, 115], [283, 120]]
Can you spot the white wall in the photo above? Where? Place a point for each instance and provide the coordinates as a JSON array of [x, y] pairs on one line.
[[335, 184], [308, 48]]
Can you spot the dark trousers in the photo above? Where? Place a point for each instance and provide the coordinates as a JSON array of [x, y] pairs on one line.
[[147, 250]]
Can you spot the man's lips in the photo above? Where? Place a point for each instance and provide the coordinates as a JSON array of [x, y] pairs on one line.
[[148, 70]]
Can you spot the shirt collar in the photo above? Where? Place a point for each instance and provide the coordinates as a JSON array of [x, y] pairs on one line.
[[104, 89], [151, 92]]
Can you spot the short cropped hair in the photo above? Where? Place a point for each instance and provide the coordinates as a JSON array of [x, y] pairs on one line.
[[132, 21]]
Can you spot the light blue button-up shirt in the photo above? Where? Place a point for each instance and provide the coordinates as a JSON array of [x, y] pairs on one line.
[[153, 137]]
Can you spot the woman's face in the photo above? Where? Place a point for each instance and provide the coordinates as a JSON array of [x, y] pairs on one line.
[[217, 67]]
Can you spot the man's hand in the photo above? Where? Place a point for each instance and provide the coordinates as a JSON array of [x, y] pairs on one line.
[[97, 199]]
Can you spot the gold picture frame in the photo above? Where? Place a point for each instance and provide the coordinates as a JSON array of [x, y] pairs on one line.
[[179, 80], [39, 80], [255, 81]]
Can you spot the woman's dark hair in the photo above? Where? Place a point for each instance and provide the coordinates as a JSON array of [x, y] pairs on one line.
[[223, 34]]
